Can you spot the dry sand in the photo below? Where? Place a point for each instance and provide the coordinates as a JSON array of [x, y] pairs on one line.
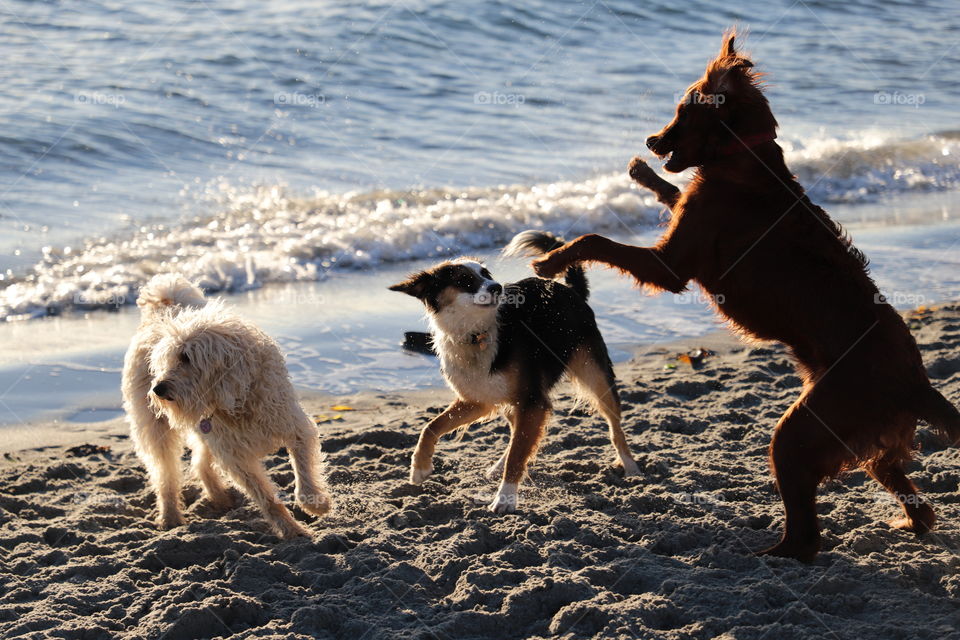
[[589, 554]]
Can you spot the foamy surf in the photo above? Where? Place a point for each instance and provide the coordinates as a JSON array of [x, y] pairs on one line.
[[268, 234]]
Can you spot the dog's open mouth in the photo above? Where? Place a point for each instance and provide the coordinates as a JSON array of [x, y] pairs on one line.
[[673, 162], [669, 157]]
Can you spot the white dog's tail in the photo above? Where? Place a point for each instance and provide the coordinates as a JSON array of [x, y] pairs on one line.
[[169, 290]]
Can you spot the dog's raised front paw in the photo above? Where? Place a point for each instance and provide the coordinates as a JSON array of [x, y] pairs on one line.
[[417, 476], [640, 171], [549, 265]]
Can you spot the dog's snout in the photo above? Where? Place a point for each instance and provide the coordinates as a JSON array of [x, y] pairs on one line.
[[163, 390], [495, 289], [652, 142]]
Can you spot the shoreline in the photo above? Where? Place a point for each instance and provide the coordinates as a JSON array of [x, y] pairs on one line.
[[342, 335], [61, 433]]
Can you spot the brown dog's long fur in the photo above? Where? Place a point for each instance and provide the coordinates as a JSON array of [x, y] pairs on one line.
[[778, 268]]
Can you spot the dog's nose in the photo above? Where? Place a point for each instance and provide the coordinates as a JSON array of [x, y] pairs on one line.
[[495, 289], [162, 390], [652, 142]]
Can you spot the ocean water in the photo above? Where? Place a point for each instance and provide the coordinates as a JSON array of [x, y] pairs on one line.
[[297, 156]]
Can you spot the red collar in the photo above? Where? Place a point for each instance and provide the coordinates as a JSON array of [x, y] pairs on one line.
[[746, 142]]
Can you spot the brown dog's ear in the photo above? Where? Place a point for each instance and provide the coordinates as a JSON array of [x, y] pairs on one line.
[[729, 72], [415, 285], [728, 52], [727, 49]]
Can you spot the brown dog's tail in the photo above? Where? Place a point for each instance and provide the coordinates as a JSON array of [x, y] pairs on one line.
[[537, 243], [941, 414]]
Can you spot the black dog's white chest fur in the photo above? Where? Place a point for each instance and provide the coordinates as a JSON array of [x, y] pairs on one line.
[[467, 364]]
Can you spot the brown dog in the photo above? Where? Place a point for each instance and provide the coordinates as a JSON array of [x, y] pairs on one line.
[[778, 268]]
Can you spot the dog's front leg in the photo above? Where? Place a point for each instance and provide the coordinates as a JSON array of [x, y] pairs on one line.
[[459, 413], [159, 448], [525, 434], [647, 178], [213, 488], [649, 265]]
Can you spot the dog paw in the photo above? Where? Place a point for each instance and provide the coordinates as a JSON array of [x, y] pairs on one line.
[[290, 530], [548, 266], [804, 552], [417, 476], [318, 504], [630, 468], [222, 502], [506, 500], [169, 521], [640, 171], [909, 524]]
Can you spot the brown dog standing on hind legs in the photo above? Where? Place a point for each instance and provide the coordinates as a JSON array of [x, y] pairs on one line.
[[779, 268]]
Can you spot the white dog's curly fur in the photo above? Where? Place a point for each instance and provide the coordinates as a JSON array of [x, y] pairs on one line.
[[226, 394]]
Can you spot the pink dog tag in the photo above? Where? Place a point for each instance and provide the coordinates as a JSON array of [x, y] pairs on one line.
[[206, 425]]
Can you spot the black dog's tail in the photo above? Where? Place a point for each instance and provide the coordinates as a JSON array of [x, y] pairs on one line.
[[537, 243]]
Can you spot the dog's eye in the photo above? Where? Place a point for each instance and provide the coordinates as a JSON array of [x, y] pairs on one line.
[[486, 274], [184, 358]]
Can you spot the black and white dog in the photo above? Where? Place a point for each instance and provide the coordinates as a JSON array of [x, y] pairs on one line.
[[505, 348]]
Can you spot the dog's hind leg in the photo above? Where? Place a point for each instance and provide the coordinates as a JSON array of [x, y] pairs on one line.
[[252, 478], [311, 490], [918, 515], [214, 489], [526, 431], [460, 413], [159, 448], [807, 448], [599, 384]]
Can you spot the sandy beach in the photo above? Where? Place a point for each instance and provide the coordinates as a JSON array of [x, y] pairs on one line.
[[589, 554]]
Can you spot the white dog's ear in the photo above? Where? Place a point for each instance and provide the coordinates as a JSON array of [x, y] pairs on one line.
[[228, 367], [238, 373]]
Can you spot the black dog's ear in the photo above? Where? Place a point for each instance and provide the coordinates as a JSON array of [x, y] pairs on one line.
[[416, 285]]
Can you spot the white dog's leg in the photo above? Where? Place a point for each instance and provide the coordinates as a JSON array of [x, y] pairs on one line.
[[213, 487], [311, 490], [160, 447], [250, 476]]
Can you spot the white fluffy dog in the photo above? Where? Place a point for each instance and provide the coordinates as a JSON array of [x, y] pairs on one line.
[[197, 374]]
